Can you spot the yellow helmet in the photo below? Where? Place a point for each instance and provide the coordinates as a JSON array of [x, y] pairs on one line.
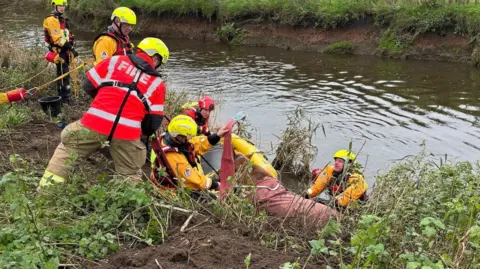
[[152, 46], [182, 125], [59, 2], [345, 154], [125, 15]]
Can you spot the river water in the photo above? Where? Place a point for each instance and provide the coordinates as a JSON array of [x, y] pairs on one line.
[[390, 105]]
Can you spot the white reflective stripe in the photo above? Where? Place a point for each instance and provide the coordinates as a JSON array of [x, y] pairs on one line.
[[152, 87], [49, 177], [111, 117], [208, 184], [269, 188], [134, 93], [111, 67], [137, 76], [309, 191], [94, 75], [156, 108]]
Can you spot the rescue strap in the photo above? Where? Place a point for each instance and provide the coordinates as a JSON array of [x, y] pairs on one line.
[[157, 148]]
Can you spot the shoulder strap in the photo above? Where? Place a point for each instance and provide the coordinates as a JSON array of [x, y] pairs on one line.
[[157, 148], [132, 87]]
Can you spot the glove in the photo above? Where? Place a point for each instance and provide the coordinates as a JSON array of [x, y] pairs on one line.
[[338, 207], [58, 59], [215, 183], [74, 52]]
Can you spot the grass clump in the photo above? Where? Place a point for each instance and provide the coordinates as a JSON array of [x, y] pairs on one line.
[[229, 33], [14, 114], [23, 67], [295, 152], [342, 47], [393, 43]]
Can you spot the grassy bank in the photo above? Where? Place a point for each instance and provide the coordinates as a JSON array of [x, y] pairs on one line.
[[419, 215], [398, 23]]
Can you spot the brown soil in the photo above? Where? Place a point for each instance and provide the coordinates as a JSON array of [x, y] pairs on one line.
[[34, 140], [208, 246], [364, 37]]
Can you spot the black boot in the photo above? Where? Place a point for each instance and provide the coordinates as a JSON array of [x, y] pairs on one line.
[[66, 95]]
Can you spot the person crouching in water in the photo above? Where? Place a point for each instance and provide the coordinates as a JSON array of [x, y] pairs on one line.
[[176, 152], [340, 180]]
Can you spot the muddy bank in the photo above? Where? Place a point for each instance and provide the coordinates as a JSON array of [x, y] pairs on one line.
[[206, 246], [361, 38]]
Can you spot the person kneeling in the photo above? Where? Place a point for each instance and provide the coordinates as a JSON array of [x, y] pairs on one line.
[[175, 152]]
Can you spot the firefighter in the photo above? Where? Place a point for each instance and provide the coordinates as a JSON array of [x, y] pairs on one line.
[[340, 180], [60, 44], [116, 40], [201, 113], [176, 152], [129, 95]]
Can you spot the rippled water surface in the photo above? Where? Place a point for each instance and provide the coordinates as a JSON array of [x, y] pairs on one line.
[[391, 106]]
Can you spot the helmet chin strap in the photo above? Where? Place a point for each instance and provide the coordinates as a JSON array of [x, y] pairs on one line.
[[56, 10], [119, 27]]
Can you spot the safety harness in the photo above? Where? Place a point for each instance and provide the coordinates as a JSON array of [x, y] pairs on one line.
[[124, 46], [168, 180], [337, 186], [131, 87]]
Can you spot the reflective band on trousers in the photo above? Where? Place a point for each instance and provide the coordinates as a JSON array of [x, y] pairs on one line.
[[269, 188], [111, 117], [49, 177]]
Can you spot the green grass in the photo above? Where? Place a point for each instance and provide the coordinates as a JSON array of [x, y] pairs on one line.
[[421, 214], [343, 47], [402, 20], [14, 114], [408, 15], [21, 67]]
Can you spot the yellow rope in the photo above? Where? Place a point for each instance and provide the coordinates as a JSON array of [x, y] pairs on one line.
[[25, 81], [64, 75], [74, 76]]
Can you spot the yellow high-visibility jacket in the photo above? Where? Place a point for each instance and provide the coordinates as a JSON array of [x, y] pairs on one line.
[[357, 186], [188, 176]]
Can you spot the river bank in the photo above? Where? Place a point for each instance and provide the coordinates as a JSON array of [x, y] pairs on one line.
[[423, 212], [433, 30]]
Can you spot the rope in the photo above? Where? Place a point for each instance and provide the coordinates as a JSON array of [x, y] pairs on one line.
[[34, 90], [74, 79], [25, 81]]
